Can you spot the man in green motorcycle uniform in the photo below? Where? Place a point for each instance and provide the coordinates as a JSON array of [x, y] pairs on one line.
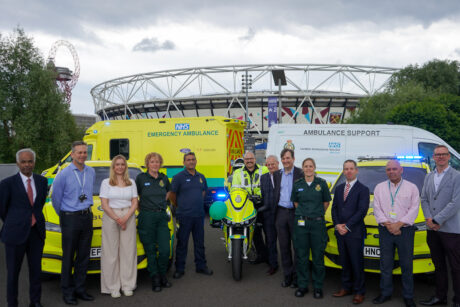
[[248, 178]]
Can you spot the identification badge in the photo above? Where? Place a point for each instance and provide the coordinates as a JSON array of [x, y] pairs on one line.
[[147, 184], [201, 181], [162, 184], [300, 190], [301, 223], [392, 214], [188, 180], [318, 188]]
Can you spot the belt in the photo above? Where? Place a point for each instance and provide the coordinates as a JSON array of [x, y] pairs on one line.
[[80, 212], [320, 218], [284, 208], [154, 210]]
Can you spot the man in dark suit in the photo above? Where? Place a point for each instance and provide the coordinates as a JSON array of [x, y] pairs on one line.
[[22, 197], [284, 215], [349, 207], [267, 188]]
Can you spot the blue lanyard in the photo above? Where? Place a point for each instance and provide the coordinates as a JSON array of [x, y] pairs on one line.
[[396, 193]]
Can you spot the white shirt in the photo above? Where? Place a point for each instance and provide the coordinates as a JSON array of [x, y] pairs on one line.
[[119, 197], [438, 177], [32, 183]]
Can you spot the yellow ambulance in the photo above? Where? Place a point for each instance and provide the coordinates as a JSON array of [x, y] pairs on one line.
[[216, 141]]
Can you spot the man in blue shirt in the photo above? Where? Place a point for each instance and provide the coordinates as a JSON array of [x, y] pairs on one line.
[[72, 198], [285, 214], [188, 189]]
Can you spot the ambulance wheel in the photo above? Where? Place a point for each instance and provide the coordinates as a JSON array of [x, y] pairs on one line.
[[237, 259]]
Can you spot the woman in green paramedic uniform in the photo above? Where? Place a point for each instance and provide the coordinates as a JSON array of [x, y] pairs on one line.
[[153, 188], [311, 198]]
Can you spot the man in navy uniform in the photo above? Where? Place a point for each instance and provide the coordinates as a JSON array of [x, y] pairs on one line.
[[188, 189]]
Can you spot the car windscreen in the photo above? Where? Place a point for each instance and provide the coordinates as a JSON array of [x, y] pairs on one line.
[[370, 176], [103, 173]]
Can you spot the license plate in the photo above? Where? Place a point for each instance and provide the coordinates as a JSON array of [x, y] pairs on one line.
[[371, 251], [95, 252]]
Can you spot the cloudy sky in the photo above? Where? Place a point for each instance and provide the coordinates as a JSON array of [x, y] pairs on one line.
[[118, 38]]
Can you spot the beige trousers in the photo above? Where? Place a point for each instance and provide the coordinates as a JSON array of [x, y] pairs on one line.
[[118, 254]]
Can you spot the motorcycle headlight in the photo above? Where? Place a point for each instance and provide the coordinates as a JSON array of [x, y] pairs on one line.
[[420, 226], [52, 227]]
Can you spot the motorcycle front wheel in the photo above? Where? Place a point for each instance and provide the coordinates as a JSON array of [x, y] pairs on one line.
[[237, 259]]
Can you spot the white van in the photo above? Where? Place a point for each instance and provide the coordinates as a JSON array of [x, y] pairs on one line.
[[331, 144]]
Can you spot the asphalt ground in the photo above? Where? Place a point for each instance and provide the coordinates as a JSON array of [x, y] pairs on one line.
[[255, 289]]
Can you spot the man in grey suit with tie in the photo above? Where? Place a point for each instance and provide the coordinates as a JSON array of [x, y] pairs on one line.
[[441, 207]]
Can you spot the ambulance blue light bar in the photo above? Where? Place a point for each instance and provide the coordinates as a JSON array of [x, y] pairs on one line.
[[410, 157]]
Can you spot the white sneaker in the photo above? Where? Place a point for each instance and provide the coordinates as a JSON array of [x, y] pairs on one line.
[[128, 292], [115, 294]]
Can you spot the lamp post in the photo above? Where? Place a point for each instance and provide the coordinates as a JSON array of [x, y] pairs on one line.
[[280, 79], [246, 84]]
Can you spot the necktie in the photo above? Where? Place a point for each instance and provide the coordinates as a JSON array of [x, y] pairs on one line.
[[347, 189], [30, 194]]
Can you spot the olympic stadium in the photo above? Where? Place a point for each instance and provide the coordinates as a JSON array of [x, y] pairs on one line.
[[309, 93]]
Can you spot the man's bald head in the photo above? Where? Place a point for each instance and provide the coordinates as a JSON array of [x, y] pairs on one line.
[[249, 160], [394, 171]]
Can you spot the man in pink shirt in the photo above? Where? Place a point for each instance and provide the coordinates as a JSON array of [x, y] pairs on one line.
[[396, 205]]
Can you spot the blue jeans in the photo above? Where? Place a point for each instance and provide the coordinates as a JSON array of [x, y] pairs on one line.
[[405, 245]]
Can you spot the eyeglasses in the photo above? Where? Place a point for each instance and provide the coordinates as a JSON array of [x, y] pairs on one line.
[[444, 154]]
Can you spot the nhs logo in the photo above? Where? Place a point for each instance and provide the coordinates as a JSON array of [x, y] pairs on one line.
[[182, 126]]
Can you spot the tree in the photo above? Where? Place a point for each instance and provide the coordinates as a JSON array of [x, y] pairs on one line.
[[438, 76], [426, 97], [432, 115], [32, 109]]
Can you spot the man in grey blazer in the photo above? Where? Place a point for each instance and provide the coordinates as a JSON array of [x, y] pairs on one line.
[[441, 207]]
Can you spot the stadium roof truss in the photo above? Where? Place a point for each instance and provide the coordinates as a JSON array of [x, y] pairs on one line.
[[312, 90]]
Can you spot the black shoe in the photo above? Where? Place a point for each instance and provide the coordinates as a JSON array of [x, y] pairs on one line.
[[70, 300], [317, 293], [164, 282], [84, 296], [272, 270], [286, 282], [156, 283], [205, 271], [37, 304], [258, 260], [409, 302], [301, 292], [433, 301], [381, 299], [178, 274]]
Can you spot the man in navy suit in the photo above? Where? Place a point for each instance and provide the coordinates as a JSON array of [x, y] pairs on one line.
[[22, 197], [267, 188], [349, 207]]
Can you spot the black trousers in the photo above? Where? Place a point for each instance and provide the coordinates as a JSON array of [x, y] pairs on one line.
[[33, 247], [445, 245], [195, 226], [285, 219], [77, 232], [352, 260], [259, 242]]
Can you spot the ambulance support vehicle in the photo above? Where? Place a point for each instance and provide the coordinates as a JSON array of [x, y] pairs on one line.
[[216, 141], [331, 144]]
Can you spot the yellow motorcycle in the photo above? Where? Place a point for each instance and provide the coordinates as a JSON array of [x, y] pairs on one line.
[[237, 218]]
